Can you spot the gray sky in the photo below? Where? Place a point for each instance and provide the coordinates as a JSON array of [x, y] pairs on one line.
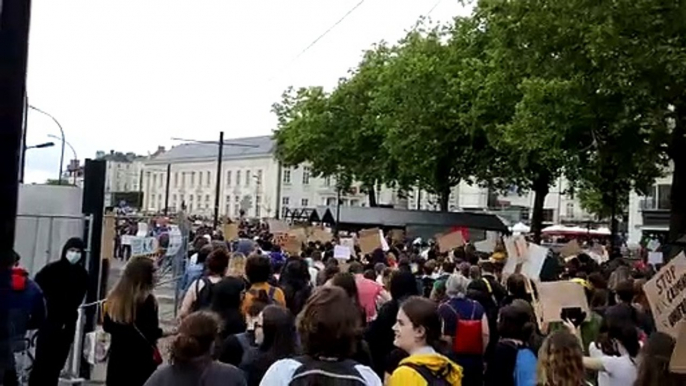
[[128, 75]]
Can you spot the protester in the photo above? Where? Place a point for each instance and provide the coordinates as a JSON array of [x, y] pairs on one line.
[[195, 267], [235, 348], [258, 271], [200, 293], [191, 357], [346, 281], [275, 337], [560, 361], [131, 318], [614, 354], [369, 291], [418, 332], [328, 326], [227, 295], [513, 363], [296, 285], [64, 284], [465, 327], [654, 364], [26, 311]]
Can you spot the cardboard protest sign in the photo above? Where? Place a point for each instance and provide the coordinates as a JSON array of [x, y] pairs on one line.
[[230, 231], [556, 295], [533, 264], [321, 235], [517, 253], [369, 240], [289, 243], [277, 226], [666, 293], [341, 252], [397, 235], [449, 241], [108, 235], [572, 248], [677, 364]]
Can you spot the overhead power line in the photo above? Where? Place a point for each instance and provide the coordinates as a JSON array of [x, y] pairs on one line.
[[320, 37]]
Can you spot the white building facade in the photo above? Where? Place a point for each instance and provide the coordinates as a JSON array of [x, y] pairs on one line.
[[123, 173], [254, 183], [649, 215]]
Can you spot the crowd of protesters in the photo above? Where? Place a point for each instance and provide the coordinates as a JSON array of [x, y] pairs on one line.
[[252, 314]]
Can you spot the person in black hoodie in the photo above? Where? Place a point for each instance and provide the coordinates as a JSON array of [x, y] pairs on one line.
[[226, 302], [64, 284], [296, 284], [379, 334]]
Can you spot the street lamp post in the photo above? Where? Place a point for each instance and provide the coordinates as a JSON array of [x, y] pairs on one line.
[[63, 139], [23, 157], [76, 157]]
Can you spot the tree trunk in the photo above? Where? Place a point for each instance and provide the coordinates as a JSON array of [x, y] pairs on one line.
[[541, 188], [614, 226], [444, 198], [677, 216], [371, 193]]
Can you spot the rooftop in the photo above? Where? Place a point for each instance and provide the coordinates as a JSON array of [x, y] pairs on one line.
[[236, 148]]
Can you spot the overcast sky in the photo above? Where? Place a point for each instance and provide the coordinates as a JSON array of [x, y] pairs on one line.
[[128, 75]]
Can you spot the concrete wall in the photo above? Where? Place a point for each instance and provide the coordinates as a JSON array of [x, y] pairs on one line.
[[47, 216]]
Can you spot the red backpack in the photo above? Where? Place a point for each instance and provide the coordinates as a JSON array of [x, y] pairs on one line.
[[468, 338]]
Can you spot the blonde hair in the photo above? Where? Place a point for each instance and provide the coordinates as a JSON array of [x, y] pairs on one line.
[[560, 361], [236, 265], [132, 289]]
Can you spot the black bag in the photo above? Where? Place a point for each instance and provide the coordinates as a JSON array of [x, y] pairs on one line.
[[203, 299], [315, 372], [432, 378]]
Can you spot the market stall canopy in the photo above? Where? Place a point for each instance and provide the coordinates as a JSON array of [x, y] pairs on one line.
[[400, 218], [575, 230], [520, 227]]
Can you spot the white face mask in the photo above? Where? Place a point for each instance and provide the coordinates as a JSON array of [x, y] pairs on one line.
[[73, 256]]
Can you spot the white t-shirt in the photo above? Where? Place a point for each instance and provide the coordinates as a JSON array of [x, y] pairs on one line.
[[619, 371], [281, 373]]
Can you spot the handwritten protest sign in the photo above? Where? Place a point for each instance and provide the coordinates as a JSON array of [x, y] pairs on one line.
[[572, 248], [341, 252], [517, 251], [289, 243], [397, 235], [277, 226], [666, 293], [449, 241], [108, 235], [320, 235], [230, 231], [348, 242], [485, 246], [655, 258], [369, 240], [532, 266], [556, 295], [677, 364]]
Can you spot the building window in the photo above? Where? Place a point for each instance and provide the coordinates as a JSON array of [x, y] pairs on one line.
[[154, 180], [327, 181], [207, 198], [247, 178], [330, 201], [152, 202], [176, 180], [306, 175], [286, 176], [183, 179], [570, 209], [181, 198], [236, 209], [192, 179], [304, 203], [199, 198], [258, 206], [258, 180], [228, 178], [354, 202], [285, 201], [199, 178], [238, 178], [190, 198], [159, 199], [209, 178]]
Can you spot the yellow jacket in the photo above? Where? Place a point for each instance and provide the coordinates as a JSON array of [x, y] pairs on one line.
[[437, 363]]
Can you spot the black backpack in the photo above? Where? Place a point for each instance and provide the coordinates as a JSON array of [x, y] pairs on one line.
[[431, 377], [203, 300], [315, 372]]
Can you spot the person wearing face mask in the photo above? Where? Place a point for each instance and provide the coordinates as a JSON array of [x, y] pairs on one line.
[[235, 348], [64, 284]]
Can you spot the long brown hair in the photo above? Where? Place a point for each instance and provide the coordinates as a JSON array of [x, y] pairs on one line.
[[131, 290], [197, 333], [560, 361], [654, 367]]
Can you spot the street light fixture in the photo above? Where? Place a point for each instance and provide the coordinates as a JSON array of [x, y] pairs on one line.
[[62, 139], [41, 145]]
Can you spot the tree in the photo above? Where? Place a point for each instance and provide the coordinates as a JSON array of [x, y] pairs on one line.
[[424, 102], [338, 133]]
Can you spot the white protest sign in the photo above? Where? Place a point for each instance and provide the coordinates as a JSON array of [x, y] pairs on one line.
[[384, 243], [534, 262], [485, 246], [142, 229], [653, 245], [655, 258], [341, 252], [175, 240], [126, 239], [348, 242], [666, 293], [517, 251], [143, 245]]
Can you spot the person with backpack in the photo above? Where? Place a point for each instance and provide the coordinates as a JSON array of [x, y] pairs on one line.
[[235, 348], [465, 327], [258, 271], [513, 362], [199, 294], [328, 327], [418, 332]]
